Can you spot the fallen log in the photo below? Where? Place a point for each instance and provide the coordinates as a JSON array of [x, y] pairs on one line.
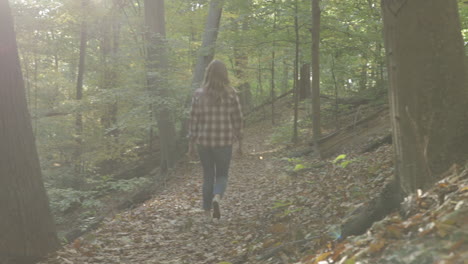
[[388, 201], [377, 143]]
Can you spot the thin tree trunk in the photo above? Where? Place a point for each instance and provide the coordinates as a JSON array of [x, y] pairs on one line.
[[157, 68], [36, 108], [110, 38], [337, 123], [296, 74], [363, 74], [272, 90], [304, 84], [316, 122], [26, 226], [241, 63], [79, 90], [273, 65], [285, 75]]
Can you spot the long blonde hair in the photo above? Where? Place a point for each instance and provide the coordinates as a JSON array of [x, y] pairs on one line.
[[216, 83]]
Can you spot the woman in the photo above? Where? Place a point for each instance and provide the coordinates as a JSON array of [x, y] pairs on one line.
[[215, 124]]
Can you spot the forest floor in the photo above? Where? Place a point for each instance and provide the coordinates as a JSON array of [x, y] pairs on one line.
[[281, 207]]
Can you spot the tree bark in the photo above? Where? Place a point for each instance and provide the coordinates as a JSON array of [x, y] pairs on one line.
[[79, 90], [428, 91], [27, 228], [295, 138], [304, 84], [109, 46], [428, 96], [273, 68], [241, 60]]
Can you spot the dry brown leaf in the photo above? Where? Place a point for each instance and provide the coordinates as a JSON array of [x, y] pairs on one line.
[[278, 228], [321, 257], [77, 244], [376, 246]]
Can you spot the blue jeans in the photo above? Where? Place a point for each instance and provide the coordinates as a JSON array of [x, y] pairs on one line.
[[215, 162]]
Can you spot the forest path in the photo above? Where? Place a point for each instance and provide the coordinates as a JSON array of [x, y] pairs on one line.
[[171, 227], [272, 215], [267, 206]]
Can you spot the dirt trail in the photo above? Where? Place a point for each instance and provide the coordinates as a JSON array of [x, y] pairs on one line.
[[267, 206], [170, 228]]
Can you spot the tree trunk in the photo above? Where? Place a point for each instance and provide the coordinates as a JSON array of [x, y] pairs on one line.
[[295, 138], [79, 90], [428, 96], [304, 84], [110, 39], [27, 228], [428, 92], [207, 50], [316, 122], [273, 65], [241, 63], [157, 65], [335, 83]]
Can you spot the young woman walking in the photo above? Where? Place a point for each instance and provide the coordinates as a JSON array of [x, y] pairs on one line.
[[215, 125]]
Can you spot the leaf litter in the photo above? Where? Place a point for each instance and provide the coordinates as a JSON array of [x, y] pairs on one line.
[[274, 214]]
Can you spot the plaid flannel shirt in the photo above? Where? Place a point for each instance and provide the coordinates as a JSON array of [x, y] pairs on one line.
[[215, 125]]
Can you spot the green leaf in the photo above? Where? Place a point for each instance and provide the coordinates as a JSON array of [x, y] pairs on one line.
[[299, 167], [344, 164], [340, 157]]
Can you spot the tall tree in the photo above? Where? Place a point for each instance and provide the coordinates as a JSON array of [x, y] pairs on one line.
[[304, 81], [207, 50], [157, 65], [316, 74], [428, 95], [27, 228], [273, 65], [79, 88], [296, 73], [428, 89], [109, 59], [241, 60]]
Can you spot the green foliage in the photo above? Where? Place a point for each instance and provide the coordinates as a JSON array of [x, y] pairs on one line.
[[342, 161], [299, 167], [62, 200], [282, 133], [339, 157]]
